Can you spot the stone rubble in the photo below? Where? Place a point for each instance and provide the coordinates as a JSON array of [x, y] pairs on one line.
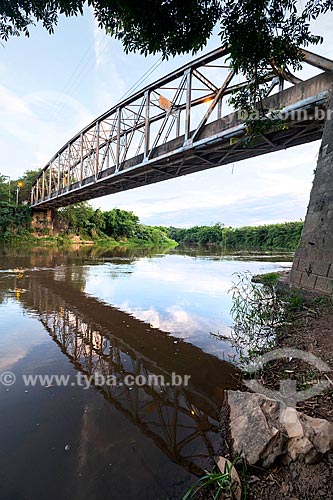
[[262, 431]]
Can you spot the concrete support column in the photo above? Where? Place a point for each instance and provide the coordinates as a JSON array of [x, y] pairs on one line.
[[42, 221], [313, 261]]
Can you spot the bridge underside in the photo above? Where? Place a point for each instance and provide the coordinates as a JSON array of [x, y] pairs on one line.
[[149, 138], [221, 151]]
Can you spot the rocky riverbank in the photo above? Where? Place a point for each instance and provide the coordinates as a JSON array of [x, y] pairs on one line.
[[296, 476]]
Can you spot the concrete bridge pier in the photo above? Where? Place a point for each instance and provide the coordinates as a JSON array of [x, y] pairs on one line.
[[42, 221], [313, 262]]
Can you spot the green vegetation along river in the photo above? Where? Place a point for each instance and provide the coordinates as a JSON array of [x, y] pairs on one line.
[[120, 312]]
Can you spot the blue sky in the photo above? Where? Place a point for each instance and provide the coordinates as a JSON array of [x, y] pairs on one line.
[[52, 86]]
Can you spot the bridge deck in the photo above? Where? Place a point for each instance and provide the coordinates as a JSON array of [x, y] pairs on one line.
[[100, 160]]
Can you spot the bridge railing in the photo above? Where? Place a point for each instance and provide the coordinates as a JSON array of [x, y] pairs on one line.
[[169, 114]]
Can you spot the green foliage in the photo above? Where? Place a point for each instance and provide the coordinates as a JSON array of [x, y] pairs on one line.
[[120, 225], [198, 234], [261, 306], [4, 189], [171, 27], [265, 34], [81, 219], [27, 179], [14, 221], [220, 483], [269, 237], [8, 189], [261, 34], [257, 310], [261, 124], [293, 301], [267, 279], [156, 234], [16, 17]]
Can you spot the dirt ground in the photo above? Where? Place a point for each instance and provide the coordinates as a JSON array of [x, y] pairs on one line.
[[310, 330]]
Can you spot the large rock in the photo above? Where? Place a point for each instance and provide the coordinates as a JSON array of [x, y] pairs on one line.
[[255, 427], [319, 432], [262, 431]]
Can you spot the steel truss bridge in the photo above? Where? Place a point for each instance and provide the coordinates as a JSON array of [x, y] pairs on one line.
[[182, 421], [179, 125]]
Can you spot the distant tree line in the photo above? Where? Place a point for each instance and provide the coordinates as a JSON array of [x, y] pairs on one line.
[[14, 220], [82, 219], [271, 236], [14, 190]]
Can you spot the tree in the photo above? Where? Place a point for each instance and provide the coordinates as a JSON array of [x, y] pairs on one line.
[[172, 26], [4, 189], [260, 33], [25, 183], [16, 17], [120, 223], [82, 218]]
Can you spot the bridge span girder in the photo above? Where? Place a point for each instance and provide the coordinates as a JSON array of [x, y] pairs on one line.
[[177, 126]]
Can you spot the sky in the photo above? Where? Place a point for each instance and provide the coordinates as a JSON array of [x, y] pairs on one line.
[[51, 86]]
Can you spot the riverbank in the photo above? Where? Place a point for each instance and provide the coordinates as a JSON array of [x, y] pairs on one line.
[[69, 240], [311, 330], [283, 236], [78, 224], [308, 327]]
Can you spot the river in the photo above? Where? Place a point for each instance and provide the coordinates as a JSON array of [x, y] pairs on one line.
[[111, 314]]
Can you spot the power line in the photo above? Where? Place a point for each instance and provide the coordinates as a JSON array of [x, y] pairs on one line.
[[144, 77], [53, 107], [84, 72]]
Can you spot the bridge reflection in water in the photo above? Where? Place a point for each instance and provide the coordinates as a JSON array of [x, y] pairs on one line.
[[99, 339]]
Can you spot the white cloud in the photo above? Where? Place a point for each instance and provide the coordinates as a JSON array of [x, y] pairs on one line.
[[33, 125], [12, 104], [28, 121], [285, 174], [109, 82]]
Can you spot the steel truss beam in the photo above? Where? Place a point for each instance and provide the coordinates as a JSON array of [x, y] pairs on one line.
[[167, 123]]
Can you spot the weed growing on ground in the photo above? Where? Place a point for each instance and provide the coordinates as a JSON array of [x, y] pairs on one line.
[[221, 484]]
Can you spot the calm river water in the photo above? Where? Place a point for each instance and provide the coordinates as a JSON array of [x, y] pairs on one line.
[[113, 313]]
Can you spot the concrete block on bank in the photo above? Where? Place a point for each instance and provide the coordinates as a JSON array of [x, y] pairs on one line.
[[304, 265], [295, 277], [330, 272], [308, 281], [321, 268], [324, 285], [296, 263], [326, 255]]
